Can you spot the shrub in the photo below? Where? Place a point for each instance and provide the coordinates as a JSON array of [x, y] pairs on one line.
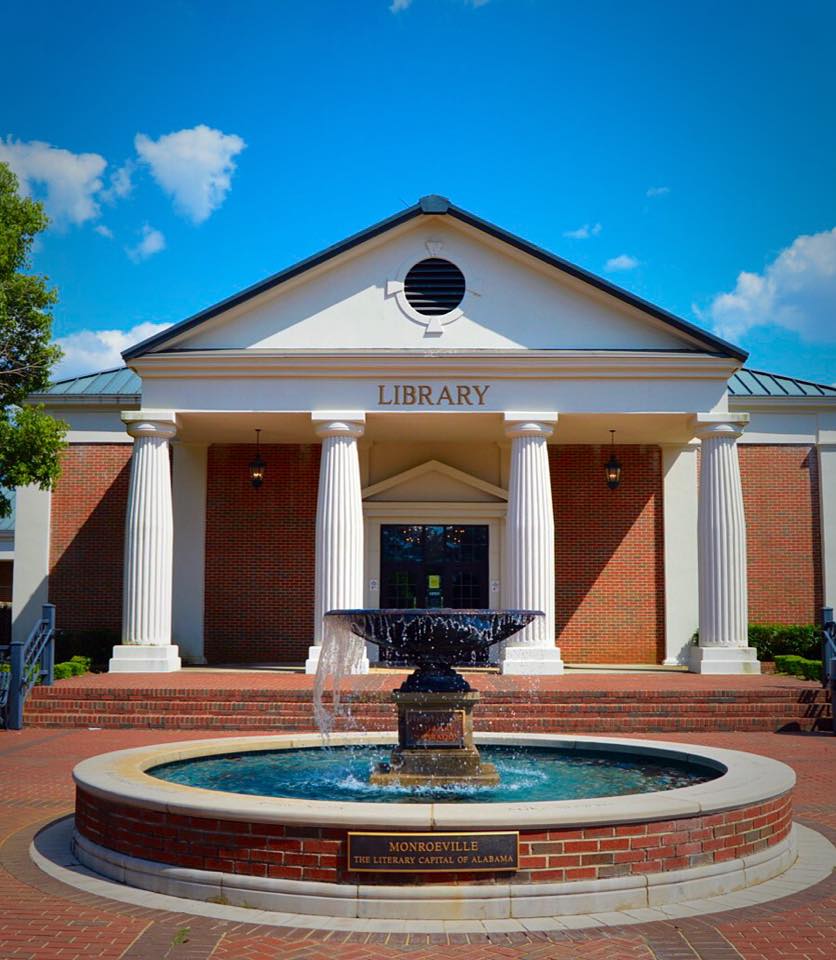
[[799, 666], [74, 667], [774, 639]]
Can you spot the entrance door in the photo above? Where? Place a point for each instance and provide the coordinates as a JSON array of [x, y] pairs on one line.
[[430, 565]]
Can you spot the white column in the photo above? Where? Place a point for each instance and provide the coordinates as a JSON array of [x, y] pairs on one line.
[[529, 545], [679, 471], [149, 536], [189, 575], [721, 533], [339, 522]]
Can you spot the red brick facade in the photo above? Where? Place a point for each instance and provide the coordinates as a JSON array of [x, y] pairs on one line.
[[260, 558], [609, 547], [87, 536], [609, 555], [319, 853], [783, 532]]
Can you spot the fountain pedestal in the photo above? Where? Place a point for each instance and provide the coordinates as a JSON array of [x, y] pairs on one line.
[[435, 703], [435, 742]]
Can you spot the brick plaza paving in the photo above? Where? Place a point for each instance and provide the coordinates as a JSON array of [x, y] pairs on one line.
[[41, 919]]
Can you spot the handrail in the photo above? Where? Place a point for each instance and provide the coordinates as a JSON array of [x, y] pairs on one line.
[[828, 659], [29, 661]]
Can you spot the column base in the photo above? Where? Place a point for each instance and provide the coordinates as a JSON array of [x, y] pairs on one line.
[[312, 663], [133, 658], [532, 661], [724, 660]]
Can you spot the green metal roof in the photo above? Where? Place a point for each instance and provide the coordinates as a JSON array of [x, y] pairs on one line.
[[119, 382], [757, 383]]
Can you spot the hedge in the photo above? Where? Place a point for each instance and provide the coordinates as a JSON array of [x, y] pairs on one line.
[[74, 667], [798, 666], [774, 639]]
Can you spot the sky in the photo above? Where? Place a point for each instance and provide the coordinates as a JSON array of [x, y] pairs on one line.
[[186, 149]]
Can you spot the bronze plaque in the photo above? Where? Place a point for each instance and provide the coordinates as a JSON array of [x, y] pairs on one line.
[[433, 852], [433, 728]]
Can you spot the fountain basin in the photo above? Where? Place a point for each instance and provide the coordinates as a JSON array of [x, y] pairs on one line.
[[610, 853]]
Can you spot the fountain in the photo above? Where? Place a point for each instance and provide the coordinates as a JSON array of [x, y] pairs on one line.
[[435, 703], [542, 825]]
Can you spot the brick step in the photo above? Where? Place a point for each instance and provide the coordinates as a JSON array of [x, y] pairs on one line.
[[599, 724], [486, 708]]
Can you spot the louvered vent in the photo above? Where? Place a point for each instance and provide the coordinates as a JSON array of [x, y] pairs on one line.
[[434, 286]]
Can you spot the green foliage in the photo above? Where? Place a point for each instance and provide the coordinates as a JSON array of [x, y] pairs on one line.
[[30, 441], [798, 666], [775, 639], [72, 668]]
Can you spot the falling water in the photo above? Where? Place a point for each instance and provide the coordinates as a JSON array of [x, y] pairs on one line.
[[341, 655]]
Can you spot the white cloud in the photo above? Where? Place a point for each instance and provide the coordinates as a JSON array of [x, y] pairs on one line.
[[193, 166], [152, 242], [398, 5], [584, 232], [658, 191], [796, 291], [121, 183], [622, 262], [104, 231], [68, 182], [91, 350]]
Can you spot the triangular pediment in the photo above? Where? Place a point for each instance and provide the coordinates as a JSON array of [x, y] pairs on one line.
[[353, 297], [434, 481]]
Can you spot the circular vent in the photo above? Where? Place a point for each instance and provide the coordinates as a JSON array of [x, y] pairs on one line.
[[434, 286]]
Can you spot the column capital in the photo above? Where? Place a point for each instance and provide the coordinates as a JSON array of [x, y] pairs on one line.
[[526, 423], [150, 423], [339, 423], [731, 425]]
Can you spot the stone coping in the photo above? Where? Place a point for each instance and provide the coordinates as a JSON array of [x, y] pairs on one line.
[[748, 779]]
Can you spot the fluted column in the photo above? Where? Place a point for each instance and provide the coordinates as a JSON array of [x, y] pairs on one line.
[[339, 523], [721, 544], [146, 596], [529, 545]]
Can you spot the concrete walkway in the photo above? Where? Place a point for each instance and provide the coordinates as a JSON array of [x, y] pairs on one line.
[[40, 919]]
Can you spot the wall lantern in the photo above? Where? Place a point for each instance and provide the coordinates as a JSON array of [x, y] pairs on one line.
[[612, 468], [257, 466]]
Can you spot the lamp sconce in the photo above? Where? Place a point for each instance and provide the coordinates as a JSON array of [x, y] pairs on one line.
[[257, 466], [612, 468]]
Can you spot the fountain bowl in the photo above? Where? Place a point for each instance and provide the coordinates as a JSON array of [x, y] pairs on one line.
[[433, 639]]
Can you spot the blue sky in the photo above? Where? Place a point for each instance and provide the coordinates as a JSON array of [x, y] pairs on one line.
[[188, 149]]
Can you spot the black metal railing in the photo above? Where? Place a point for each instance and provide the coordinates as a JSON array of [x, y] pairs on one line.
[[23, 664]]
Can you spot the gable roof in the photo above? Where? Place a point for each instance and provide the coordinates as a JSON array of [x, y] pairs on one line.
[[434, 205]]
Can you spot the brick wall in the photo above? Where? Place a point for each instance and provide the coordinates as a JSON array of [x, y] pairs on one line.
[[609, 555], [87, 535], [781, 500], [260, 554], [320, 853]]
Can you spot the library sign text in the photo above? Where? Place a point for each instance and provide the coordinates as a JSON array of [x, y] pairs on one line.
[[428, 395]]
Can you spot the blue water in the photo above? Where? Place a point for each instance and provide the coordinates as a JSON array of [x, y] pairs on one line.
[[342, 773]]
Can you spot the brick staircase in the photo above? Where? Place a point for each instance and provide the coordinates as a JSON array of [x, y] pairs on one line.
[[613, 711]]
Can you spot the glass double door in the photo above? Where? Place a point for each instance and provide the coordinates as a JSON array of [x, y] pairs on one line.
[[434, 565]]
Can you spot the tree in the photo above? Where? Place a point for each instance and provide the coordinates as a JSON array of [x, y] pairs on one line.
[[30, 440]]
